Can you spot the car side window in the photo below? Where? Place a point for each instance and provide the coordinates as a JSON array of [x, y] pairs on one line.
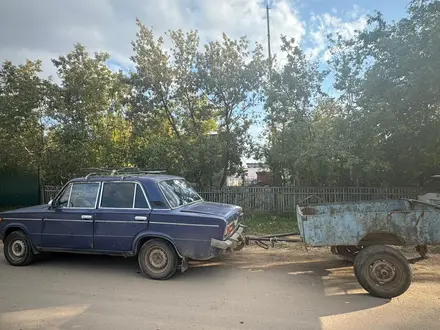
[[140, 201], [118, 195], [170, 196], [64, 199], [84, 195]]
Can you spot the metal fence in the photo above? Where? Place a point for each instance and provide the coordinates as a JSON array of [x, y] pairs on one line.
[[285, 199], [49, 192]]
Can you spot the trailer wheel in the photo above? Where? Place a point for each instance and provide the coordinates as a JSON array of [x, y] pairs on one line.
[[382, 271], [346, 252]]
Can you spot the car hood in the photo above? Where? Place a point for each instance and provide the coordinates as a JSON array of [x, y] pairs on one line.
[[30, 209], [225, 211]]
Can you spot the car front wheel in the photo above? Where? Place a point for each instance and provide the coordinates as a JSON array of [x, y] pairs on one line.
[[158, 259], [17, 249]]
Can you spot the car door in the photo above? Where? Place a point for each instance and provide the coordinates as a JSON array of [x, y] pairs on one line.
[[69, 224], [123, 211]]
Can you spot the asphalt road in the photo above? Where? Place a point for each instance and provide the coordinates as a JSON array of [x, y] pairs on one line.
[[255, 289]]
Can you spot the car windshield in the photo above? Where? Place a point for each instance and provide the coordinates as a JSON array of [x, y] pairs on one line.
[[178, 192]]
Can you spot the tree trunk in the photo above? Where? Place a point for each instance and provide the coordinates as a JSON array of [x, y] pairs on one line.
[[226, 159], [225, 170], [224, 176]]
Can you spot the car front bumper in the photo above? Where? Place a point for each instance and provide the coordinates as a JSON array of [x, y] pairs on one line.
[[235, 242]]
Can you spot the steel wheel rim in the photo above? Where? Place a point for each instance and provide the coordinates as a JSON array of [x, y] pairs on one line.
[[17, 250], [383, 272], [157, 259]]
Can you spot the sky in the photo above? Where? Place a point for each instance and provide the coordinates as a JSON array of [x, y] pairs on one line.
[[44, 30]]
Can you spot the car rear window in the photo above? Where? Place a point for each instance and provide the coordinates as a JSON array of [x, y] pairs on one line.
[[178, 192], [123, 195], [118, 195]]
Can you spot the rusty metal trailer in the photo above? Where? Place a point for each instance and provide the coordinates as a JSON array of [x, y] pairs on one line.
[[369, 234]]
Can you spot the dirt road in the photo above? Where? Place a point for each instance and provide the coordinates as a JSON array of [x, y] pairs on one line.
[[256, 289]]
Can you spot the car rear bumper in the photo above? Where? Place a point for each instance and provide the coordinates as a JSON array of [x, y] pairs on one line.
[[236, 241]]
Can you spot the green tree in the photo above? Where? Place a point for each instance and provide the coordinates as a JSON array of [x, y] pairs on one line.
[[88, 127], [171, 118], [395, 106], [22, 141], [292, 94], [182, 95], [231, 75]]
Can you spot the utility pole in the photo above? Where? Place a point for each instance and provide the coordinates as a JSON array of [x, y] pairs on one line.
[[268, 38], [271, 123]]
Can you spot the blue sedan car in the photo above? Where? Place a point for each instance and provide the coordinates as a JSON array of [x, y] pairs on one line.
[[158, 218]]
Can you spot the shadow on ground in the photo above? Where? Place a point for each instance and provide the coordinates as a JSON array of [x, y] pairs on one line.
[[325, 284], [290, 266]]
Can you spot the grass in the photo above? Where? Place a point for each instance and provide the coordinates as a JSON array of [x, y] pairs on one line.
[[262, 224]]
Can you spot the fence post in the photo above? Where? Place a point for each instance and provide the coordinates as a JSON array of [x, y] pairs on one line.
[[294, 197], [42, 194]]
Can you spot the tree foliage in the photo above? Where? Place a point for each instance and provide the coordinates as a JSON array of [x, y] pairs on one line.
[[87, 126], [21, 116], [187, 107], [383, 128], [184, 94]]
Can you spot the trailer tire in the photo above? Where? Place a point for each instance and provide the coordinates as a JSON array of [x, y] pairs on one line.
[[382, 271]]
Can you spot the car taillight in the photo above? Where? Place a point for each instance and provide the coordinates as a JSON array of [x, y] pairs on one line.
[[229, 229]]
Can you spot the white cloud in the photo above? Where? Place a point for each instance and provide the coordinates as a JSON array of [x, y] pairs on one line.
[[46, 29], [324, 24], [50, 28]]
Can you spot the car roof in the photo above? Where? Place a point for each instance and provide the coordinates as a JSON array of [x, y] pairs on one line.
[[129, 177]]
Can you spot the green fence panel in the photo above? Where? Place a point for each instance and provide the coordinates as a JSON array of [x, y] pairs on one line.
[[19, 189]]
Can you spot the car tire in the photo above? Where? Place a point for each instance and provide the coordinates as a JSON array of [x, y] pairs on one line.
[[158, 259], [382, 271], [18, 249]]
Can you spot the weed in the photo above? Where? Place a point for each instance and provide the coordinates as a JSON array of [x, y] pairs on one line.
[[262, 224]]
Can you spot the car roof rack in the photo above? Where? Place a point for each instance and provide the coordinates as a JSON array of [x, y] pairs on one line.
[[124, 172]]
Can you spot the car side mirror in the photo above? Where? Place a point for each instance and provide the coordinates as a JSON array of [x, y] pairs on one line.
[[52, 204]]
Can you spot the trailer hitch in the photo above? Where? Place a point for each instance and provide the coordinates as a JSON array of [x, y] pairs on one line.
[[272, 239]]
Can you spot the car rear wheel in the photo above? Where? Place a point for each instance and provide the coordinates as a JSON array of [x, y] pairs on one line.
[[158, 259], [17, 249]]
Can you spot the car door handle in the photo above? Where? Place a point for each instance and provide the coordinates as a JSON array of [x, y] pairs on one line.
[[86, 217], [140, 218]]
